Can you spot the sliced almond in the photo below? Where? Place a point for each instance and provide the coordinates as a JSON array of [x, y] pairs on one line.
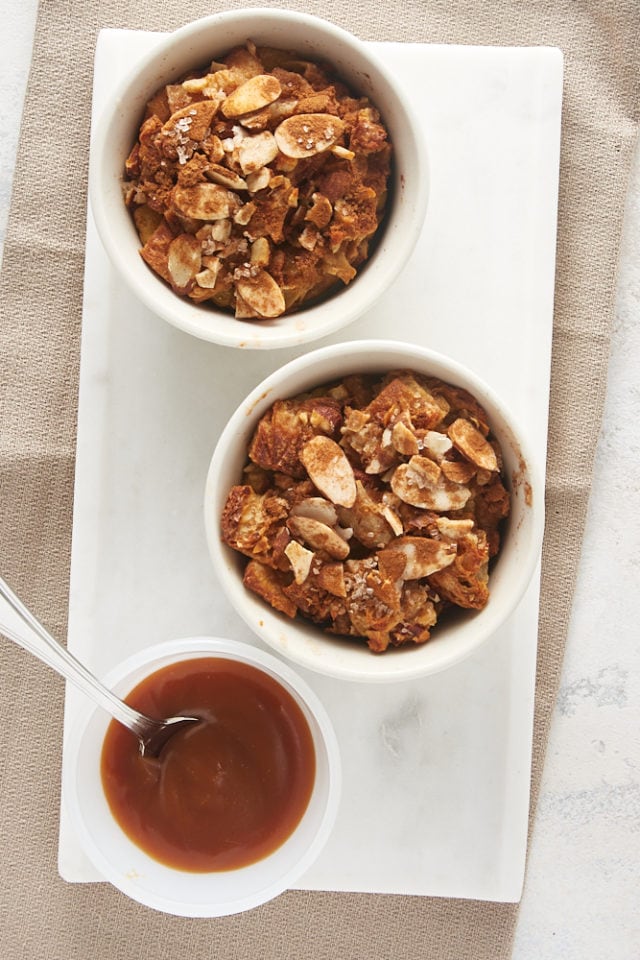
[[412, 558], [260, 252], [243, 311], [213, 148], [225, 177], [208, 277], [454, 529], [306, 134], [205, 201], [458, 471], [329, 469], [252, 95], [270, 115], [483, 477], [309, 237], [258, 180], [317, 508], [424, 472], [195, 85], [367, 519], [219, 231], [472, 444], [261, 292], [342, 152], [319, 536], [300, 559], [416, 484], [193, 121], [147, 221], [244, 214], [184, 260], [393, 520], [404, 440], [257, 151], [436, 444]]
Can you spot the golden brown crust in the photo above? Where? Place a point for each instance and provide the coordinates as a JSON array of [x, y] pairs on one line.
[[268, 584], [253, 524], [287, 426]]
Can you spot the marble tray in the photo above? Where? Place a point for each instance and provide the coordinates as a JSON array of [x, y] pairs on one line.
[[436, 772]]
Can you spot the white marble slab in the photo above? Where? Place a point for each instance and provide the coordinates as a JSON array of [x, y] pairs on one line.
[[436, 772]]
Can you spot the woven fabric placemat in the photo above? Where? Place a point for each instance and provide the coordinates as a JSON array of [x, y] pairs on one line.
[[40, 321]]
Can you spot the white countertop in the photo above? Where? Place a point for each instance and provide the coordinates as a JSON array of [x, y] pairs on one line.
[[580, 896]]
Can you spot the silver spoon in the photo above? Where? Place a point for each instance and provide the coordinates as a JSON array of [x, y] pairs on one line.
[[152, 734]]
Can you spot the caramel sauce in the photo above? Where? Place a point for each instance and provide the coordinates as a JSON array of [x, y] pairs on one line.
[[224, 793]]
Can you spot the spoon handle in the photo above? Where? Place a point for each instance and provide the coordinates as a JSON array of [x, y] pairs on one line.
[[59, 659]]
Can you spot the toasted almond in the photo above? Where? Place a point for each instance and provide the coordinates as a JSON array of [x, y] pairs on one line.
[[195, 85], [309, 237], [342, 152], [414, 483], [243, 311], [147, 221], [425, 472], [411, 558], [404, 440], [366, 518], [218, 231], [252, 95], [454, 529], [208, 277], [258, 180], [472, 444], [319, 536], [458, 471], [274, 112], [184, 260], [213, 148], [193, 121], [483, 477], [300, 559], [257, 151], [306, 134], [393, 520], [260, 252], [317, 508], [329, 469], [205, 201], [435, 444], [227, 178], [261, 293], [244, 214]]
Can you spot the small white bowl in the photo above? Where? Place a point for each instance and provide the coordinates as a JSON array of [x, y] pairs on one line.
[[453, 639], [178, 892], [194, 45]]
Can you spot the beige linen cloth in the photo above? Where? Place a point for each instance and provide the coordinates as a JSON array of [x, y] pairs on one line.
[[43, 917]]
